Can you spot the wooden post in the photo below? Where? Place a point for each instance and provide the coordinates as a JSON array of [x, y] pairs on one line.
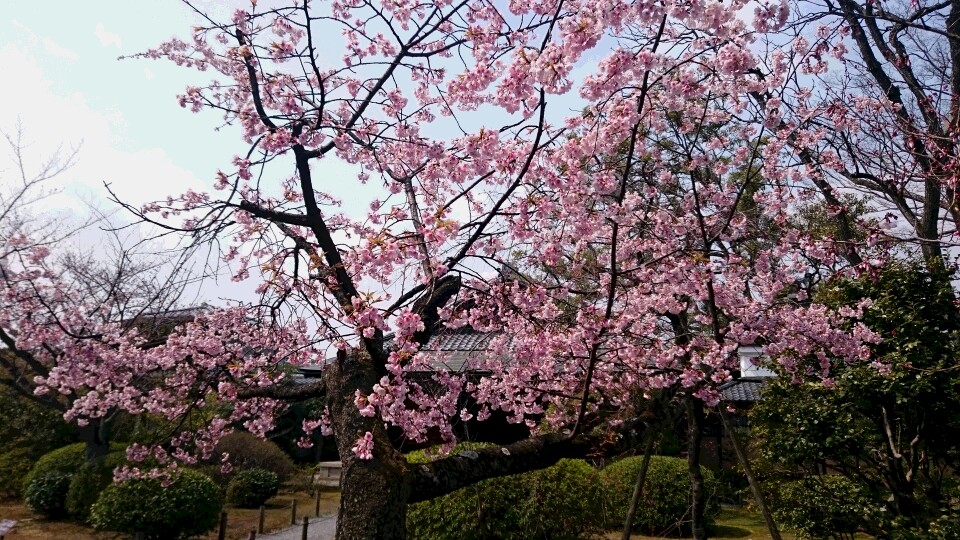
[[252, 535], [638, 486], [139, 536], [222, 533], [306, 525], [293, 512], [263, 512], [748, 472], [316, 510]]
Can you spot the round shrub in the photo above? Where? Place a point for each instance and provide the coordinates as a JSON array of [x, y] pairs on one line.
[[252, 487], [247, 451], [562, 501], [47, 493], [88, 482], [665, 506], [557, 502], [66, 460], [190, 505], [822, 507]]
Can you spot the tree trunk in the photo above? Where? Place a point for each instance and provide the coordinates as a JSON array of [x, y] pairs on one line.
[[698, 494], [748, 472], [374, 492], [373, 501], [95, 436], [638, 488]]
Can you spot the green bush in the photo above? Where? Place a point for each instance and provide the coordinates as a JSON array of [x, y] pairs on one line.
[[557, 502], [15, 464], [665, 506], [562, 501], [47, 493], [87, 484], [190, 505], [252, 487], [822, 507], [247, 451], [67, 460], [731, 486]]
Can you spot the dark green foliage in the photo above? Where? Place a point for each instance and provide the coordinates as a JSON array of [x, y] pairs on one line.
[[87, 484], [665, 506], [67, 460], [28, 430], [252, 487], [894, 432], [247, 451], [288, 430], [46, 494], [731, 486], [24, 423], [15, 464], [823, 507], [189, 506], [562, 501]]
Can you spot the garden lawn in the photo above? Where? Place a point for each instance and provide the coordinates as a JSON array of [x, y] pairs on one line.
[[739, 524]]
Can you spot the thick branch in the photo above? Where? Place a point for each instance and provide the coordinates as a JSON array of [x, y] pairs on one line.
[[291, 391], [274, 215], [449, 474]]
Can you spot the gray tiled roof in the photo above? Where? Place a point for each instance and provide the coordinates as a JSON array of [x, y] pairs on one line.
[[452, 350], [463, 339], [455, 350], [742, 390]]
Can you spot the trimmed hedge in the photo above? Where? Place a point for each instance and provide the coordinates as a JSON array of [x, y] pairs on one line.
[[87, 484], [559, 502], [665, 506], [67, 460], [47, 493], [190, 505], [247, 451], [252, 487]]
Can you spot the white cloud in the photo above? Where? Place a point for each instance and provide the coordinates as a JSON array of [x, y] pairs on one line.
[[50, 46], [106, 38], [51, 119]]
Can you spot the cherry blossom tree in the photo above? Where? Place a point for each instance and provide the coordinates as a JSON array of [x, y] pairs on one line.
[[630, 245], [875, 111], [61, 305]]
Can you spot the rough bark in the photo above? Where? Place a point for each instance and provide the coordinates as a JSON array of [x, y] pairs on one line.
[[698, 496], [374, 493]]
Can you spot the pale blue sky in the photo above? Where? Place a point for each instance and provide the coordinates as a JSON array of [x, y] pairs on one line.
[[64, 83]]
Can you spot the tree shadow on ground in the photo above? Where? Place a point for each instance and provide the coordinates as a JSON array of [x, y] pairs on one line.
[[729, 531]]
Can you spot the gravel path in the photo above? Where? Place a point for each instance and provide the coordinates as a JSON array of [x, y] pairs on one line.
[[321, 528]]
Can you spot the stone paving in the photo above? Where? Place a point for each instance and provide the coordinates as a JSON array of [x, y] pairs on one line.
[[321, 528]]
